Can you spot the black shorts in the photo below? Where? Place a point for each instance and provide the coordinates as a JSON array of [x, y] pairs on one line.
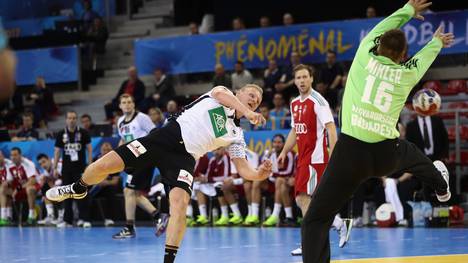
[[140, 179], [165, 149]]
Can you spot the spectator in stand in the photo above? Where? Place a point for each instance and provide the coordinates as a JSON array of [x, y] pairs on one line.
[[241, 76], [286, 84], [288, 19], [238, 24], [132, 86], [265, 22], [371, 12], [280, 115], [329, 83], [157, 116], [97, 34], [44, 103], [89, 15], [283, 175], [221, 78], [265, 111], [210, 185], [10, 109], [172, 109], [107, 189], [193, 29], [88, 125], [49, 178], [164, 89], [6, 210], [271, 77], [21, 176], [27, 132]]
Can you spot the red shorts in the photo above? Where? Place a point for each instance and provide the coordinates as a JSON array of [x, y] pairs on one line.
[[22, 195], [308, 177]]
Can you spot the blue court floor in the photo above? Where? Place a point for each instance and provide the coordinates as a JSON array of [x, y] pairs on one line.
[[219, 245]]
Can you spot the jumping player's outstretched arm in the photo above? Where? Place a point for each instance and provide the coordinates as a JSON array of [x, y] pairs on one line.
[[422, 60], [249, 173], [227, 98], [396, 20]]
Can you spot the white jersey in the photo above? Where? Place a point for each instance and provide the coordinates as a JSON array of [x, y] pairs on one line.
[[207, 125], [25, 170], [140, 125]]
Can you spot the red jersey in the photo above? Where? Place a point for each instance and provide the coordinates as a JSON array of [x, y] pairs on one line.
[[201, 166], [309, 117], [17, 175], [218, 170]]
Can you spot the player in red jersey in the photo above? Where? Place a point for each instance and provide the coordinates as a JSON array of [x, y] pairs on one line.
[[311, 121]]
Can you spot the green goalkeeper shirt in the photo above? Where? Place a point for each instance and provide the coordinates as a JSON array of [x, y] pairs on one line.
[[377, 87]]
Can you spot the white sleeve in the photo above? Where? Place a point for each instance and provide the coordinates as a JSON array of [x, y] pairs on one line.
[[253, 158], [237, 150], [146, 123], [9, 176], [292, 116], [323, 113], [118, 128], [29, 168]]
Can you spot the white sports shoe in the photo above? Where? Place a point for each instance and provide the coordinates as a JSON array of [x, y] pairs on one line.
[[344, 232], [80, 223], [87, 224], [445, 174], [109, 222], [297, 252], [46, 221], [60, 193], [63, 224]]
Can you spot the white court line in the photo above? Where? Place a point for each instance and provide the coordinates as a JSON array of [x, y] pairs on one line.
[[71, 256], [200, 248], [224, 247], [20, 259], [249, 246], [459, 237], [406, 239], [432, 238], [124, 253], [98, 255], [46, 258]]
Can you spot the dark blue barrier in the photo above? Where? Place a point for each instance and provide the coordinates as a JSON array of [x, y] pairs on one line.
[[56, 65], [191, 54], [25, 9], [31, 27]]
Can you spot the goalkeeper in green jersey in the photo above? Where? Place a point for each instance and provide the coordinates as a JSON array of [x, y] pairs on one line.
[[377, 87]]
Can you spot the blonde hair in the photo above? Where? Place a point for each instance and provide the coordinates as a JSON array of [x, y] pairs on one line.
[[253, 86]]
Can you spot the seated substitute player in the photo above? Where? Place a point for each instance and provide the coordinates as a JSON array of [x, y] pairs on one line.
[[21, 176], [210, 185], [281, 174], [376, 91], [235, 183], [5, 192], [210, 122], [48, 178], [201, 168]]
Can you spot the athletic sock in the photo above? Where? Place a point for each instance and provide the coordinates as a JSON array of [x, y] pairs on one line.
[[170, 253], [189, 211], [255, 209], [224, 211], [202, 209], [288, 212], [249, 209], [276, 210], [155, 214], [50, 210], [235, 209], [130, 224], [80, 187]]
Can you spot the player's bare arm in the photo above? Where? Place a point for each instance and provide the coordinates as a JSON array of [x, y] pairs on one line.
[[226, 98], [290, 142], [247, 172], [332, 136]]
